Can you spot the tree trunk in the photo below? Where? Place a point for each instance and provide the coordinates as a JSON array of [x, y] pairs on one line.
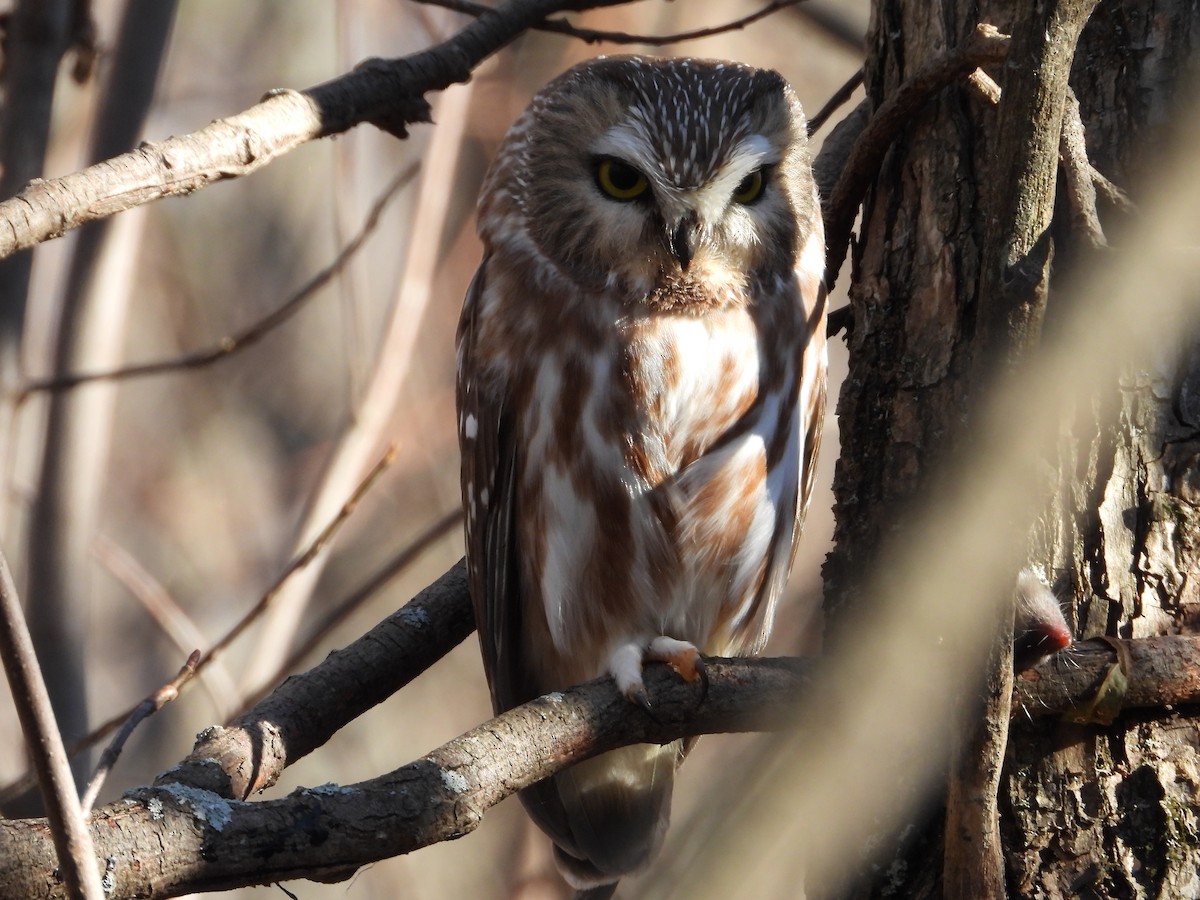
[[1108, 810]]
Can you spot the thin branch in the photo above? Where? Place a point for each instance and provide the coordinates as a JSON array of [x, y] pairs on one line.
[[387, 93], [594, 36], [836, 102], [303, 559], [72, 838], [172, 620], [231, 344], [148, 707], [985, 46], [355, 600], [297, 717], [101, 731]]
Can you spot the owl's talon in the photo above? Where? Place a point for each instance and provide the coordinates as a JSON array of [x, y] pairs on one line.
[[681, 656], [637, 694]]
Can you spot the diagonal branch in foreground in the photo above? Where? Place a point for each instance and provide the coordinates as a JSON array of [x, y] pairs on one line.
[[387, 93]]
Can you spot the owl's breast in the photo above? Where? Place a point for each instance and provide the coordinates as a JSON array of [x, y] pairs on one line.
[[688, 380]]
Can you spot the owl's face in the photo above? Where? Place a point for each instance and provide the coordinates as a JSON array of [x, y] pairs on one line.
[[645, 175]]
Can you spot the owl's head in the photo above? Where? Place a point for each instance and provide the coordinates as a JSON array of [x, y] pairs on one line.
[[641, 174]]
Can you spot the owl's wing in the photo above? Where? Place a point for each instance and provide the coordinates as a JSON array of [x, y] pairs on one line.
[[790, 478], [488, 483]]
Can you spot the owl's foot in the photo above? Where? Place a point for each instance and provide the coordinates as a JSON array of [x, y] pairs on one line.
[[625, 665]]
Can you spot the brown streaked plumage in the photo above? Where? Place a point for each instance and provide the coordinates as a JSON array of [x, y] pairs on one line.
[[641, 388]]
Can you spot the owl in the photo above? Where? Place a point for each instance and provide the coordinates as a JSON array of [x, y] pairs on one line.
[[641, 387]]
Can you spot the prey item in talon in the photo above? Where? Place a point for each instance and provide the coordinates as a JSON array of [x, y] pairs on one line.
[[641, 391], [1039, 628]]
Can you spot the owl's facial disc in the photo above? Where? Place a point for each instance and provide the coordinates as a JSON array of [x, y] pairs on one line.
[[698, 203]]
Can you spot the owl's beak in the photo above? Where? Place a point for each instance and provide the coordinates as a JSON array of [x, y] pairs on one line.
[[682, 241]]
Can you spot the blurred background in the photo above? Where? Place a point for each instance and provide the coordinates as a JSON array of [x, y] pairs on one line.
[[205, 482]]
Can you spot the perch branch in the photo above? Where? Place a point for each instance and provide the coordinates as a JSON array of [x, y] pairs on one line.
[[219, 842], [326, 832]]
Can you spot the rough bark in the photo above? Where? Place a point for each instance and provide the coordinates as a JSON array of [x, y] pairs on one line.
[[1100, 806], [1111, 810]]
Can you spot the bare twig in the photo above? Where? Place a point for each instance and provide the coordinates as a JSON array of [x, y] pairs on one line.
[[172, 620], [986, 45], [347, 606], [327, 533], [230, 344], [148, 707], [594, 36], [303, 559], [72, 839], [834, 103]]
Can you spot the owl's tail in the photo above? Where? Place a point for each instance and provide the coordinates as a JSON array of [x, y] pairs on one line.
[[607, 815]]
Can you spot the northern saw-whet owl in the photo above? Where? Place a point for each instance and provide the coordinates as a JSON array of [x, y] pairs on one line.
[[641, 388]]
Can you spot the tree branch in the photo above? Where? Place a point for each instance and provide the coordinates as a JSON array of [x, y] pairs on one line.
[[326, 832], [68, 838], [595, 36], [842, 199], [387, 93]]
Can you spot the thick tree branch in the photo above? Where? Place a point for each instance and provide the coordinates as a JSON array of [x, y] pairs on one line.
[[327, 832], [388, 93]]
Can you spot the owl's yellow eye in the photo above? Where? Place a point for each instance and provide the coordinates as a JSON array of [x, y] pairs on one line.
[[750, 188], [619, 181]]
